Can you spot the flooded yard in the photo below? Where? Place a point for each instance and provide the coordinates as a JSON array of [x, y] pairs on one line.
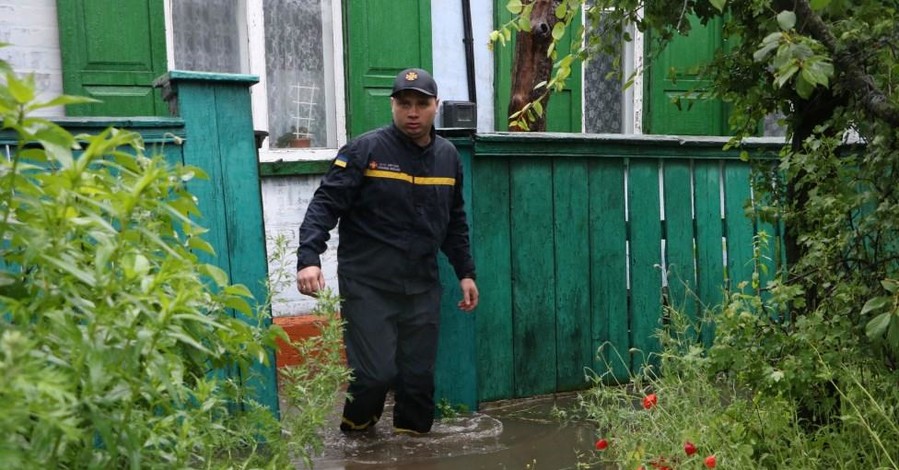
[[518, 434]]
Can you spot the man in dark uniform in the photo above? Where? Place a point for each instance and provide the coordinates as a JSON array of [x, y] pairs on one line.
[[397, 192]]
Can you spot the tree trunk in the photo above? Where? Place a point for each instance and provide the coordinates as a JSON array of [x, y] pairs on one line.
[[531, 64]]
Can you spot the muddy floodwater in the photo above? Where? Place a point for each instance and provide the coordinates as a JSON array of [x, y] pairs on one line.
[[519, 434]]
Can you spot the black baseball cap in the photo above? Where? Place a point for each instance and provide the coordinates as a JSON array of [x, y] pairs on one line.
[[415, 79]]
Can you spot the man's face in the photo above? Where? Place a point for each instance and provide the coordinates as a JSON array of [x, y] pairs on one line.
[[413, 114]]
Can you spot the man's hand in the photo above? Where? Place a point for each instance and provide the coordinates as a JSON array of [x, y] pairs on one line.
[[310, 280], [469, 295]]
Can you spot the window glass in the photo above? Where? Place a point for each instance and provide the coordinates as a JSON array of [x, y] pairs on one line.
[[209, 35], [602, 96], [299, 73], [603, 92]]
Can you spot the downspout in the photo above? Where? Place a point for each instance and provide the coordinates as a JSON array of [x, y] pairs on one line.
[[469, 50]]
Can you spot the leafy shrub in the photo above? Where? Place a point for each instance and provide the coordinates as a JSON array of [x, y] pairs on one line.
[[115, 341], [310, 389], [741, 401]]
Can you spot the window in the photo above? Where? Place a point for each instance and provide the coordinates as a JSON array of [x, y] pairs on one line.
[[299, 65], [609, 107], [209, 35], [291, 45]]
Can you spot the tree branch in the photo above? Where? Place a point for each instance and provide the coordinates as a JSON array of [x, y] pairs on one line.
[[851, 76]]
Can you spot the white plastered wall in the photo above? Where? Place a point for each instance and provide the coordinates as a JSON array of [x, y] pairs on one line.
[[30, 29]]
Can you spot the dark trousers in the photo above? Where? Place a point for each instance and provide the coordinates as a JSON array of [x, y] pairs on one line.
[[391, 341]]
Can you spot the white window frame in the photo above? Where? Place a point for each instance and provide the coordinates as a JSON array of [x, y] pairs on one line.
[[255, 62]]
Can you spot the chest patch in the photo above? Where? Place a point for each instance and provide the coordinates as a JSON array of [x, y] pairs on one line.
[[374, 165]]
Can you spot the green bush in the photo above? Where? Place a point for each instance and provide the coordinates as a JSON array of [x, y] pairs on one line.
[[743, 400], [116, 342]]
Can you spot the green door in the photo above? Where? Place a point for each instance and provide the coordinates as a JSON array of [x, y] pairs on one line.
[[564, 112], [112, 51], [674, 75], [383, 37]]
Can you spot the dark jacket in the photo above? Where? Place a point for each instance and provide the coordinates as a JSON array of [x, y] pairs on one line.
[[397, 204]]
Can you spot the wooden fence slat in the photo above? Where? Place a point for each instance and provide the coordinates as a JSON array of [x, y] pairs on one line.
[[491, 246], [456, 374], [220, 140], [242, 201], [202, 149], [645, 258], [739, 229], [533, 303], [608, 267], [709, 257], [679, 247], [572, 272]]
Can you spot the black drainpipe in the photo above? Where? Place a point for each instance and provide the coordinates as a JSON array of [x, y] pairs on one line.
[[469, 51]]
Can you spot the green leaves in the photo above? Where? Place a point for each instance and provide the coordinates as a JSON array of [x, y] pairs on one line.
[[112, 326], [883, 328], [796, 58], [718, 4], [786, 20], [21, 90]]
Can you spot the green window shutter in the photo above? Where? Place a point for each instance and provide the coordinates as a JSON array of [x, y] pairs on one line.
[[383, 37], [564, 112], [675, 74], [112, 51]]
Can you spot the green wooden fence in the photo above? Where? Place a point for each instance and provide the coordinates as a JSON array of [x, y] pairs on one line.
[[211, 129], [579, 240]]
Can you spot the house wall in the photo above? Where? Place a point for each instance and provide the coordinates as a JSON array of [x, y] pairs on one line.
[[30, 29], [449, 55]]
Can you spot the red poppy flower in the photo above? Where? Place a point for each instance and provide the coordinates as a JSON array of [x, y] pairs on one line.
[[650, 400], [689, 448], [602, 444], [711, 461]]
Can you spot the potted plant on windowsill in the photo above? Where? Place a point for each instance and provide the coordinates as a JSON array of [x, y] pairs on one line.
[[295, 138]]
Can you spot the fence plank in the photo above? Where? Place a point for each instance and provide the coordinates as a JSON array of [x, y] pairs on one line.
[[645, 255], [456, 374], [572, 271], [491, 245], [738, 227], [203, 149], [608, 268], [242, 201], [220, 140], [679, 247], [532, 277], [709, 246]]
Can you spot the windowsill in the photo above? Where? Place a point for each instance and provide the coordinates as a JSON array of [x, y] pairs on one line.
[[296, 155]]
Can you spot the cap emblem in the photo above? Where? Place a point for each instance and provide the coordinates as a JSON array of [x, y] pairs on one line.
[[411, 76], [373, 165]]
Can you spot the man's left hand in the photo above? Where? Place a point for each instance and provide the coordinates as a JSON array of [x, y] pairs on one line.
[[469, 295]]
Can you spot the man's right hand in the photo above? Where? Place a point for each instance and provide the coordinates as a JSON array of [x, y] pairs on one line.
[[310, 280]]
